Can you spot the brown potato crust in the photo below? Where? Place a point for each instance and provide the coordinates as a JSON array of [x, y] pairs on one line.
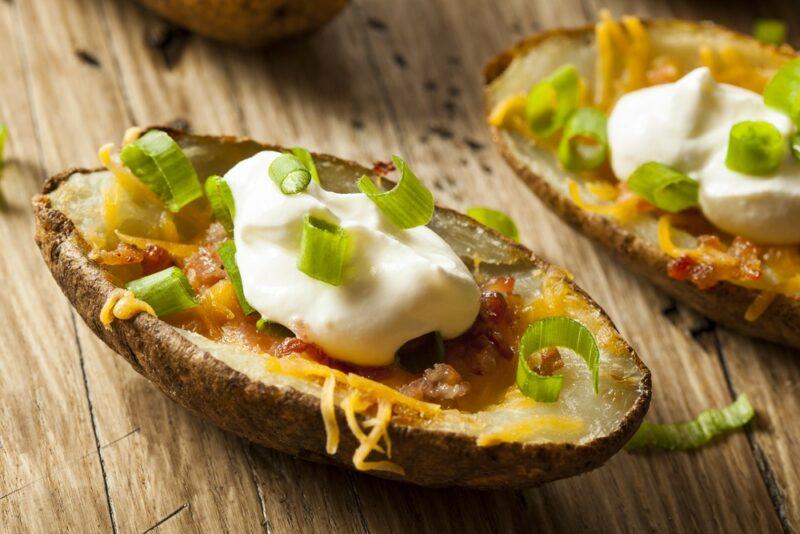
[[289, 420], [725, 303], [248, 23]]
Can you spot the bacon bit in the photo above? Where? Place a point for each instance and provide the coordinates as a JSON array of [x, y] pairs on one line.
[[502, 284], [663, 70], [494, 307], [124, 254], [204, 268], [155, 259], [740, 262], [215, 234], [383, 168], [550, 362], [441, 383]]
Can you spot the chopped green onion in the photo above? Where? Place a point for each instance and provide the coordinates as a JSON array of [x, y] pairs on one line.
[[227, 253], [220, 198], [770, 31], [755, 148], [308, 162], [554, 332], [783, 90], [552, 100], [796, 146], [584, 144], [496, 220], [289, 174], [664, 187], [271, 328], [3, 137], [166, 291], [158, 161], [407, 204], [323, 247], [421, 353], [683, 436]]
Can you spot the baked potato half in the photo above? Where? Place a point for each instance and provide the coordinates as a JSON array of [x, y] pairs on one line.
[[511, 441], [248, 23], [668, 49]]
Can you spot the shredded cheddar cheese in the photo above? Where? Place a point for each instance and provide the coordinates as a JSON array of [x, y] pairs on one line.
[[759, 305], [125, 177], [665, 238], [628, 41], [519, 430], [623, 208], [177, 250], [132, 134], [328, 410], [122, 304]]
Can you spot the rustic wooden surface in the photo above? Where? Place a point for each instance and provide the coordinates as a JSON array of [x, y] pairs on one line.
[[87, 445]]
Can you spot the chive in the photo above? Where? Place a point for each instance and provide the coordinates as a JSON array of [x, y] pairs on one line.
[[496, 220], [271, 328], [220, 198], [770, 31], [158, 161], [166, 291], [693, 434], [551, 101], [323, 247], [227, 253], [408, 204], [289, 174], [554, 332], [308, 162], [783, 90], [584, 143], [755, 148], [664, 187], [421, 353]]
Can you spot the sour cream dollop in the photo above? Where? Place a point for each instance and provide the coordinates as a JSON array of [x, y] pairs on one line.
[[398, 284], [686, 125]]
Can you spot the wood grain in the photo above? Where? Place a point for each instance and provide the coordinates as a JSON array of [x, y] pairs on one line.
[[83, 437]]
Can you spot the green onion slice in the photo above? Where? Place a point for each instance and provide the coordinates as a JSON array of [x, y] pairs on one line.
[[308, 162], [407, 204], [166, 291], [323, 247], [220, 198], [290, 174], [158, 161], [796, 146], [755, 148], [421, 353], [554, 332], [584, 144], [683, 436], [783, 90], [227, 253], [3, 137], [770, 31], [552, 100], [271, 328], [496, 220], [664, 187]]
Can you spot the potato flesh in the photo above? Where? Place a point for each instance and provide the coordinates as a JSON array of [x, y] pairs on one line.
[[578, 417]]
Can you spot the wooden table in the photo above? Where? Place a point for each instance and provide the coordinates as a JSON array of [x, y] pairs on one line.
[[87, 445]]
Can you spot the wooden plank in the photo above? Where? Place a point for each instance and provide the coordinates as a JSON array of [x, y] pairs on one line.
[[48, 455], [164, 467], [454, 41]]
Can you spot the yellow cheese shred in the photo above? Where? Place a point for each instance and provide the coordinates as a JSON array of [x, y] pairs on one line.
[[125, 177], [665, 238], [628, 41], [623, 209], [326, 406], [369, 442], [519, 430], [180, 251], [759, 305], [122, 304]]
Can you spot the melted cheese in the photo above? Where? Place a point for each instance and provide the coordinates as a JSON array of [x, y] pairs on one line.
[[520, 430], [177, 250], [122, 304]]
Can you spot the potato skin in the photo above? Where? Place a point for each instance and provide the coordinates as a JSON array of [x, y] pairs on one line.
[[725, 303], [289, 420], [248, 23]]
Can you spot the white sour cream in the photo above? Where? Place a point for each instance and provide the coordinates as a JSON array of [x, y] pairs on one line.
[[686, 125], [398, 284]]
